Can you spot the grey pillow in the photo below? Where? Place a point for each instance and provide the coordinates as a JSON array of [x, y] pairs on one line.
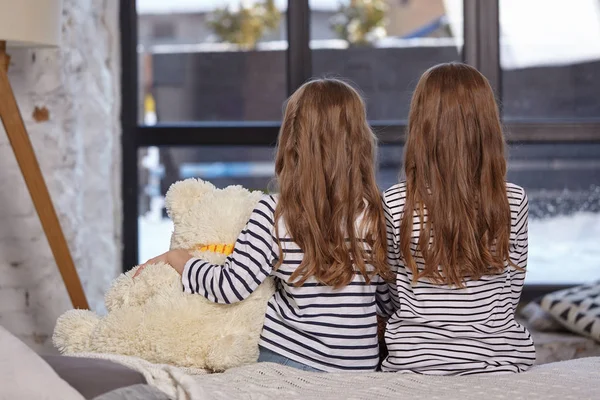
[[539, 319], [93, 377]]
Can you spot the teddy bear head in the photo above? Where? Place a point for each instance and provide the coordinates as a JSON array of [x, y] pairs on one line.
[[207, 220]]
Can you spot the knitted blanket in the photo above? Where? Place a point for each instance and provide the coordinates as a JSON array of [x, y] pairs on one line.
[[574, 379]]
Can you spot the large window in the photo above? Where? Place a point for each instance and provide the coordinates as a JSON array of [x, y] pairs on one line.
[[204, 83]]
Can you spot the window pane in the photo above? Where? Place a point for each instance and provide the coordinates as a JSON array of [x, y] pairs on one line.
[[562, 182], [563, 185], [211, 60], [550, 63], [251, 167], [383, 46]]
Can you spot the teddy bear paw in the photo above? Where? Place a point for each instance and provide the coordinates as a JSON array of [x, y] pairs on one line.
[[73, 331]]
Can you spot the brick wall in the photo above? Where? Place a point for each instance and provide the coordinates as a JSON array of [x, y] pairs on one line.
[[79, 151]]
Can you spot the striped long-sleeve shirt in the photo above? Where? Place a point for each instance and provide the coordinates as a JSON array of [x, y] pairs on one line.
[[325, 328], [443, 330]]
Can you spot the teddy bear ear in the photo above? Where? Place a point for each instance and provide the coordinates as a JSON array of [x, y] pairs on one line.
[[182, 195]]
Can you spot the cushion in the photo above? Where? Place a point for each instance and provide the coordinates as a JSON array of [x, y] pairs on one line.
[[539, 319], [25, 375], [578, 309], [93, 377]]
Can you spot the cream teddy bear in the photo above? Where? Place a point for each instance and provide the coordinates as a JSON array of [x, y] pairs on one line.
[[151, 318]]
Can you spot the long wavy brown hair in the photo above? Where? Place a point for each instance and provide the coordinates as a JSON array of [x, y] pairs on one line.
[[325, 170], [455, 175]]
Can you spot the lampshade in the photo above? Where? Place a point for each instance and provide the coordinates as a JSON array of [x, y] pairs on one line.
[[30, 23]]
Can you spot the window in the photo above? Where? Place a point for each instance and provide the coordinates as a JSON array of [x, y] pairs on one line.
[[562, 182], [549, 76], [201, 100], [550, 59], [382, 46], [563, 186], [227, 62], [251, 167]]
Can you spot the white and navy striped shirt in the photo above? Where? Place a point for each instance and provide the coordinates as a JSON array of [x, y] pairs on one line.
[[444, 330], [316, 325]]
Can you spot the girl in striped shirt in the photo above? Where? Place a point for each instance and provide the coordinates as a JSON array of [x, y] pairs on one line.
[[457, 236], [322, 237]]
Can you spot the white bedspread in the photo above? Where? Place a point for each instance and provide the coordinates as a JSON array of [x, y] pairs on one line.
[[575, 379]]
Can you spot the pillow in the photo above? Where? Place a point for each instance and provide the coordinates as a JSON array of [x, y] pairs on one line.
[[93, 377], [24, 375], [539, 319], [578, 309]]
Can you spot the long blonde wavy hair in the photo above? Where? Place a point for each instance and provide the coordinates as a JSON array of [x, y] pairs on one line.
[[325, 170], [455, 175]]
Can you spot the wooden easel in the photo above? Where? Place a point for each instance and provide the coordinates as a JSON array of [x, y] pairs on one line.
[[30, 169]]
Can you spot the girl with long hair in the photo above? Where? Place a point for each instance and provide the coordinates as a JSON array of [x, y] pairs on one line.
[[322, 237], [457, 236]]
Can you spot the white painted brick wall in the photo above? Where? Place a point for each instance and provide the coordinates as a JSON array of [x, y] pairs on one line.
[[79, 153]]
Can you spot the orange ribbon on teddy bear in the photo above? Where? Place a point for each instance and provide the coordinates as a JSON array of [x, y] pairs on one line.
[[226, 249]]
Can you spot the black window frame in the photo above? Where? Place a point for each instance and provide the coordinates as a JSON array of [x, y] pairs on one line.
[[481, 49]]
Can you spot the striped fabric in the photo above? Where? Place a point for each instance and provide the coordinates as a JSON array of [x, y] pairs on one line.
[[331, 330], [442, 330]]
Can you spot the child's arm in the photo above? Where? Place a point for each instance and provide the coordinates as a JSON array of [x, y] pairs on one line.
[[522, 232], [244, 270], [389, 295], [519, 258]]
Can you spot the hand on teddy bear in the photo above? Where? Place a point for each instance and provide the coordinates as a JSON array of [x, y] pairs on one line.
[[175, 258]]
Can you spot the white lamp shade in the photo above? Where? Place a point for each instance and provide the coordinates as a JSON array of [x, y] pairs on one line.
[[31, 23]]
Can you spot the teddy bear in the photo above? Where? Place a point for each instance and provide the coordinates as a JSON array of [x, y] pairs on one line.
[[150, 317]]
